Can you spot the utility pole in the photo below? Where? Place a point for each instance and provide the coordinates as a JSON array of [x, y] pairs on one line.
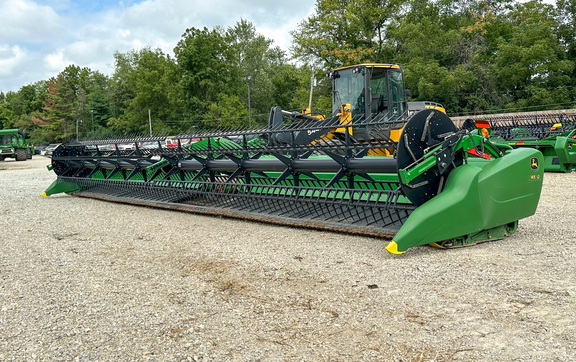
[[92, 112], [249, 107], [312, 85], [150, 122]]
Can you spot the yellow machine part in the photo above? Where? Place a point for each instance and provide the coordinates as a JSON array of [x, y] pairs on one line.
[[394, 136], [308, 112], [346, 119], [432, 105], [395, 133]]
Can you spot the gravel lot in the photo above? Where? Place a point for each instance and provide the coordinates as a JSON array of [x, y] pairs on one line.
[[83, 279]]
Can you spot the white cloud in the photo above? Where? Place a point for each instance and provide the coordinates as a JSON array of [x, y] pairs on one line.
[[168, 19], [25, 20], [54, 37], [56, 62], [10, 57]]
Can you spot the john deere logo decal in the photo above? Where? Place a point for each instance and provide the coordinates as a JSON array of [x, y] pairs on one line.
[[534, 163]]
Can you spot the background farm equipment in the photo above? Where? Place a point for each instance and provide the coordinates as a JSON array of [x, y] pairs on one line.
[[552, 133], [13, 144], [446, 186]]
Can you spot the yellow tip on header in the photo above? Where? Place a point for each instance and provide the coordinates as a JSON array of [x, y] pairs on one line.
[[44, 195], [392, 248]]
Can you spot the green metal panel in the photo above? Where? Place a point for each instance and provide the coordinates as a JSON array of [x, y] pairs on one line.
[[478, 196], [565, 148]]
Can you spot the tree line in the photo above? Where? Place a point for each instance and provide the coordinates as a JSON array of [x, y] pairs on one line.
[[472, 56]]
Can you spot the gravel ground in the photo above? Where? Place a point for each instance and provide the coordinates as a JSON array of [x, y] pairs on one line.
[[83, 279]]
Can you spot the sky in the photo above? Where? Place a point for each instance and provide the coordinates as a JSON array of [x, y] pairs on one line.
[[39, 38]]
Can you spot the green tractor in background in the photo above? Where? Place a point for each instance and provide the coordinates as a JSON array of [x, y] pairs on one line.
[[13, 144]]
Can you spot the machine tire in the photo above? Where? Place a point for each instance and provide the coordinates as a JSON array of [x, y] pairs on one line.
[[28, 154], [2, 158], [21, 154]]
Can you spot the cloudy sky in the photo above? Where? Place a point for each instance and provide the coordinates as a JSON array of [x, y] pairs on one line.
[[39, 38]]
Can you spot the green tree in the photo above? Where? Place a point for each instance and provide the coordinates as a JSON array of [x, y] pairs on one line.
[[250, 59], [7, 115], [228, 112], [64, 107], [202, 57], [218, 68], [145, 82], [99, 103], [16, 107], [566, 20], [345, 32], [121, 88], [530, 63], [469, 55]]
